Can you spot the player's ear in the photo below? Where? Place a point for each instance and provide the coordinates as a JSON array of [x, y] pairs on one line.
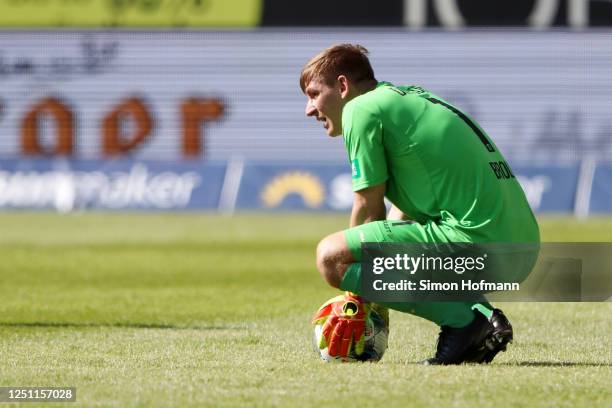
[[344, 86]]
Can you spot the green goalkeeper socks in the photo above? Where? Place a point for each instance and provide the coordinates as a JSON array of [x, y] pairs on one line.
[[485, 308]]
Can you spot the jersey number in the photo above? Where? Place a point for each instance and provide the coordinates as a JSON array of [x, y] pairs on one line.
[[467, 120]]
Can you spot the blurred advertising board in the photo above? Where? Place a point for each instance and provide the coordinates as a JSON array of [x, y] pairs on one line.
[[447, 14], [293, 187], [72, 185], [550, 188], [109, 185], [601, 194], [215, 95], [130, 13], [328, 187], [415, 14]]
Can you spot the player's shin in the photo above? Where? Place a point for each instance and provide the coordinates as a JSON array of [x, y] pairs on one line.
[[454, 314]]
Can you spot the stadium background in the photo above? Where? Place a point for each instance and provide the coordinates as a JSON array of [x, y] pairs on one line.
[[165, 105], [148, 111]]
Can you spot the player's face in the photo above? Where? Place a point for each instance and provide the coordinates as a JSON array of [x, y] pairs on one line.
[[325, 104]]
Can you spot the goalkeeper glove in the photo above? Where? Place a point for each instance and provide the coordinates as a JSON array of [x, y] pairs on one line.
[[344, 319]]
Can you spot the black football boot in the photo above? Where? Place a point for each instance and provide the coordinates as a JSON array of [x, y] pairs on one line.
[[501, 334], [454, 344]]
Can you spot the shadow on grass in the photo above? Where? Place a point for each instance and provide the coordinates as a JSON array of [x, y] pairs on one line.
[[554, 364], [128, 325]]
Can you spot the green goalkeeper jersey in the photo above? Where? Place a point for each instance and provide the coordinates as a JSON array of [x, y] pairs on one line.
[[438, 164]]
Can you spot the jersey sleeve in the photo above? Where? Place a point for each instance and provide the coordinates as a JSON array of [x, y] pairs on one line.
[[363, 136]]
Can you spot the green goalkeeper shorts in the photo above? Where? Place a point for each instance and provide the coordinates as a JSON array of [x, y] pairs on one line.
[[400, 231], [502, 265]]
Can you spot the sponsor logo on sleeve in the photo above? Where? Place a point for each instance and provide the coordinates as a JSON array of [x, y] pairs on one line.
[[356, 170]]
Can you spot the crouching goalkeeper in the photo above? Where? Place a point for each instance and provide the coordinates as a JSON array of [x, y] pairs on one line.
[[439, 169]]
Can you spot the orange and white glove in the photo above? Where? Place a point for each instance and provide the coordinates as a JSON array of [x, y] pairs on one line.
[[344, 319]]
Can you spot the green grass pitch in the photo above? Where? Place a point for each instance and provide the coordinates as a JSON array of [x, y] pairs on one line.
[[209, 310]]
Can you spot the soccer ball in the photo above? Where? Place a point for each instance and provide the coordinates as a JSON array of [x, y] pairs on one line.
[[376, 338]]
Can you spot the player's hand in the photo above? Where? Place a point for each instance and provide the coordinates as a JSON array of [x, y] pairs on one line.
[[344, 318]]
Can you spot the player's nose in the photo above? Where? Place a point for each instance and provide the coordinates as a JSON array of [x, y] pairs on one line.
[[310, 110]]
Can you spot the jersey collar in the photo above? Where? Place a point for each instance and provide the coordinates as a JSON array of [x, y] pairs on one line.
[[383, 83]]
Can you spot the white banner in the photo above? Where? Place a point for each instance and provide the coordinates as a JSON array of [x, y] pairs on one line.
[[163, 95]]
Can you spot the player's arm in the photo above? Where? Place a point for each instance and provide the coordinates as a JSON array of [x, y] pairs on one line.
[[362, 130], [369, 205]]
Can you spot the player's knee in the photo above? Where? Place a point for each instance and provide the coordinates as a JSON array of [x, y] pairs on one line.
[[326, 262], [330, 261]]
